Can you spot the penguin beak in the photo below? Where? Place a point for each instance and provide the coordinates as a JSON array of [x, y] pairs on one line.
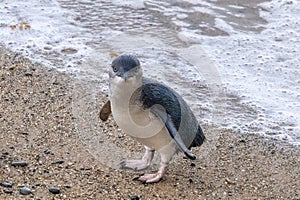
[[111, 74], [126, 76]]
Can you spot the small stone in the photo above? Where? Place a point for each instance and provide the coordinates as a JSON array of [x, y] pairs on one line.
[[229, 182], [24, 133], [6, 184], [47, 48], [12, 67], [193, 164], [19, 163], [273, 152], [46, 152], [242, 141], [28, 73], [25, 191], [58, 162], [68, 186], [134, 197], [54, 190], [69, 50], [8, 191]]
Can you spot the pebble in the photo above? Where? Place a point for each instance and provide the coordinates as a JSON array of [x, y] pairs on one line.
[[28, 73], [68, 186], [24, 133], [134, 197], [58, 162], [6, 184], [69, 51], [25, 191], [230, 182], [54, 190], [46, 152], [8, 191], [19, 163], [242, 141]]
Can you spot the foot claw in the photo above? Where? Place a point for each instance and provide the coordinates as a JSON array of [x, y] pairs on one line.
[[150, 178]]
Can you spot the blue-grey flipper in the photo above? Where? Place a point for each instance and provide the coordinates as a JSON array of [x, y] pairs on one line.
[[170, 107], [166, 118]]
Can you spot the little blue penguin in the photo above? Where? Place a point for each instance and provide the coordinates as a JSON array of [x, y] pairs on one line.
[[151, 113]]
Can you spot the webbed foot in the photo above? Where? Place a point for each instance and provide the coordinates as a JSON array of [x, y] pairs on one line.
[[150, 178], [154, 178]]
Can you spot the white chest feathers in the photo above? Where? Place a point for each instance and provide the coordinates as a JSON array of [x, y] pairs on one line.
[[130, 115]]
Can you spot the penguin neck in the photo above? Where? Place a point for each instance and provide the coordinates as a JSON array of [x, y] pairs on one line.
[[122, 90]]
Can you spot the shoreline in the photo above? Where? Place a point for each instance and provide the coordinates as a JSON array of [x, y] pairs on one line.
[[37, 126]]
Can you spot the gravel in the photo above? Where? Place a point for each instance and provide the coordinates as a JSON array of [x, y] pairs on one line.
[[25, 191], [6, 184], [19, 163], [54, 190], [57, 162], [134, 197], [8, 191]]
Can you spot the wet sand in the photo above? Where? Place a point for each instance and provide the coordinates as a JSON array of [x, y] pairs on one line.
[[37, 127]]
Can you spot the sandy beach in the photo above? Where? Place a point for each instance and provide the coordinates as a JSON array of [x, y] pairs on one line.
[[40, 150]]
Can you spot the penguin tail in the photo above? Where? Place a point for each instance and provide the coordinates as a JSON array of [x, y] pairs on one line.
[[199, 138]]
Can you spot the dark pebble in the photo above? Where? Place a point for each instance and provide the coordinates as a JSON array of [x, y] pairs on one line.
[[134, 197], [28, 73], [24, 133], [19, 163], [46, 152], [273, 152], [6, 184], [12, 67], [8, 191], [85, 168], [25, 191], [37, 157], [54, 190], [242, 141], [58, 162], [193, 164]]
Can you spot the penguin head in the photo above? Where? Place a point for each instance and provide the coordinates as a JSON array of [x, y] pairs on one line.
[[125, 66]]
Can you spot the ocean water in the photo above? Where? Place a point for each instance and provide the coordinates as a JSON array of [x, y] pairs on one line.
[[235, 62]]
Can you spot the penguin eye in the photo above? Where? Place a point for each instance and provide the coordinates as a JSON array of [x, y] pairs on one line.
[[114, 68]]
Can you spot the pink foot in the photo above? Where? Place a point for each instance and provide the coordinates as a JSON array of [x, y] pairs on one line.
[[153, 178], [150, 178]]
